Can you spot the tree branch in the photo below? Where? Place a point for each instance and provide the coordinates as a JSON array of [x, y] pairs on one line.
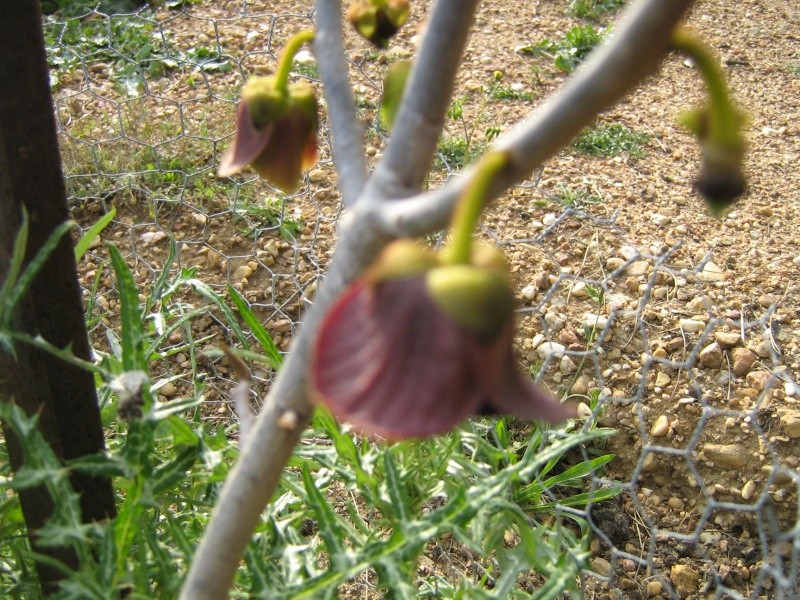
[[348, 132], [634, 52], [270, 443], [419, 123]]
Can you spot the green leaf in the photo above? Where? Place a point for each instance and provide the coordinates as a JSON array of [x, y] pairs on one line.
[[133, 356], [168, 475], [83, 245], [158, 290], [13, 290], [274, 355], [14, 268]]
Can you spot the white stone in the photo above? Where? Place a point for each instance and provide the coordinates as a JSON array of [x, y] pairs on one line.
[[692, 326], [304, 57], [711, 272], [550, 348], [592, 320], [567, 365], [529, 292]]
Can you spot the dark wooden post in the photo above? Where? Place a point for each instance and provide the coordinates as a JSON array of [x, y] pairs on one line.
[[31, 177]]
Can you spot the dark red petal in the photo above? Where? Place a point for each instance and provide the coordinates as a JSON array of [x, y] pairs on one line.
[[292, 146], [509, 392], [389, 362], [248, 143]]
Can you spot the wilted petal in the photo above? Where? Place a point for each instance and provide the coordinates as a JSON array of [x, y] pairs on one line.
[[389, 362], [248, 143]]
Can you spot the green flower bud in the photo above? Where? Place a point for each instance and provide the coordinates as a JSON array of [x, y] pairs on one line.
[[393, 87], [378, 21]]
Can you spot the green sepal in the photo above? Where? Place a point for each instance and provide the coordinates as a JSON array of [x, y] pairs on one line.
[[377, 22], [480, 300], [264, 100], [400, 259]]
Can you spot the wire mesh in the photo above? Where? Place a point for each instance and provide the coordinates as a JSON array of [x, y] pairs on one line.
[[700, 394]]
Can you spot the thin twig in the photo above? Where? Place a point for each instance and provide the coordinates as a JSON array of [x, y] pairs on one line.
[[347, 129], [419, 123], [634, 52]]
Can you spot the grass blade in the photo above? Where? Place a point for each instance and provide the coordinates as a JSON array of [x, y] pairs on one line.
[[83, 245]]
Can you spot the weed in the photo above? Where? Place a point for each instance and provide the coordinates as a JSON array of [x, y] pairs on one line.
[[308, 69], [611, 140], [596, 293], [208, 60], [254, 217], [168, 463], [568, 53], [456, 110], [127, 43], [365, 103], [499, 92], [594, 9], [578, 197], [456, 152]]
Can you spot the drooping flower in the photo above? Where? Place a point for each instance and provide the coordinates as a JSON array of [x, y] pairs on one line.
[[415, 347], [718, 126], [378, 20], [276, 133]]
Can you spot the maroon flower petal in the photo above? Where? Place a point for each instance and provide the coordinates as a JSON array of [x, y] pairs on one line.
[[248, 143], [509, 391], [291, 148], [392, 364]]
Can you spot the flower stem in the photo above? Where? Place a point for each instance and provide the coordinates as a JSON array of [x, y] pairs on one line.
[[287, 58], [724, 119], [470, 207]]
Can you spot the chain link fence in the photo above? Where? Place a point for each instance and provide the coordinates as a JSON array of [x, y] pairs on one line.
[[640, 331]]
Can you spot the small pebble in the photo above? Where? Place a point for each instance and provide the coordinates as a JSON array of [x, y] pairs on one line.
[[727, 456], [601, 566], [691, 326], [661, 427], [748, 490], [653, 588]]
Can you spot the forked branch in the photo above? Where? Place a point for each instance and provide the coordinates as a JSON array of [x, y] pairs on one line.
[[634, 52]]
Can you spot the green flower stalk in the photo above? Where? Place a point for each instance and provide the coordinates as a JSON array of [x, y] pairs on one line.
[[276, 125], [717, 125]]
